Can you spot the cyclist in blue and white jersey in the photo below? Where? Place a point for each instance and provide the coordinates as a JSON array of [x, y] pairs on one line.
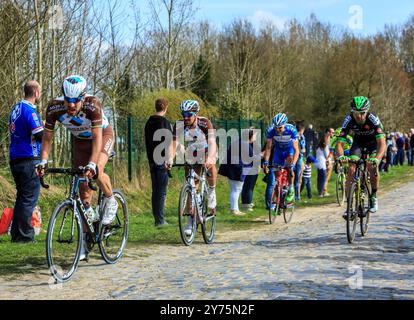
[[284, 137]]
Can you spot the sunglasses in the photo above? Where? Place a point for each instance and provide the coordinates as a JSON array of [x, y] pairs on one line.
[[188, 114], [73, 100], [278, 128], [359, 112]]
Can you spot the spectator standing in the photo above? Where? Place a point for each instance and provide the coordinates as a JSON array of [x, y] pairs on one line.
[[412, 146], [310, 138], [159, 175], [400, 149], [307, 176], [329, 133], [322, 155], [394, 148], [251, 177], [236, 170], [388, 160], [299, 164], [407, 147], [26, 132]]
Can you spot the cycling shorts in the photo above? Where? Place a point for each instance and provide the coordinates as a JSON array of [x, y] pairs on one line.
[[82, 148]]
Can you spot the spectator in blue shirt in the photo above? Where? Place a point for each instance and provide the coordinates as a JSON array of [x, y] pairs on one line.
[[26, 131], [400, 141]]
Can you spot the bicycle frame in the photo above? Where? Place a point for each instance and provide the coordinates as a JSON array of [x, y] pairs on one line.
[[197, 197], [280, 181]]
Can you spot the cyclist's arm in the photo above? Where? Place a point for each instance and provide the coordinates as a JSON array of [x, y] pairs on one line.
[[268, 149], [381, 147], [212, 145], [47, 138], [339, 148], [46, 144], [296, 151], [96, 144]]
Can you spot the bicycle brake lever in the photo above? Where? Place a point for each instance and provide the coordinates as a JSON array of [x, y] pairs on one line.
[[43, 184], [91, 185]]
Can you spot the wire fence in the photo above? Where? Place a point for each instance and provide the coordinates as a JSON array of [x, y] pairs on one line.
[[130, 141]]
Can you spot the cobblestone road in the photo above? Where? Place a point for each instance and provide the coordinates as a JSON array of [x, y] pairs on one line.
[[307, 259]]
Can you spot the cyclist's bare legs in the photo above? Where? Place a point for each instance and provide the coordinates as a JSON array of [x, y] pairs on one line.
[[103, 181], [291, 173], [213, 178], [374, 179]]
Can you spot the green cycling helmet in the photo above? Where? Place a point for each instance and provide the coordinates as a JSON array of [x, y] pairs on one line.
[[360, 104]]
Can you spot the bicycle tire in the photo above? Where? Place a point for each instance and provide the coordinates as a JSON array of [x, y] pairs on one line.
[[273, 213], [112, 241], [365, 207], [182, 212], [208, 226], [340, 189], [352, 212], [288, 211], [59, 269]]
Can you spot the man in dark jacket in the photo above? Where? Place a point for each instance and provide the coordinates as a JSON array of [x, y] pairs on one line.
[[26, 132], [412, 146], [400, 149], [159, 175]]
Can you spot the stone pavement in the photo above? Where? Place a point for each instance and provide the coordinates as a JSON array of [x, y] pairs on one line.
[[307, 259]]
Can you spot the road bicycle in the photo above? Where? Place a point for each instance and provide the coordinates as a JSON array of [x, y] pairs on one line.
[[341, 172], [278, 204], [70, 226], [193, 206], [359, 199]]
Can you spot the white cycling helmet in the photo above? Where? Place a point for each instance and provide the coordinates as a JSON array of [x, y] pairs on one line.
[[73, 87], [189, 106], [280, 119]]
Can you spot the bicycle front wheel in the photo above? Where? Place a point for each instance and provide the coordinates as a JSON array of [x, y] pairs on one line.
[[274, 205], [208, 225], [63, 242], [364, 210], [340, 189], [114, 237], [288, 211], [187, 221], [352, 212]]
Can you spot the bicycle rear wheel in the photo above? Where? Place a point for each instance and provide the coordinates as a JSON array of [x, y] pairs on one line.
[[63, 242], [114, 237], [340, 189], [352, 212], [275, 203], [185, 209], [208, 227]]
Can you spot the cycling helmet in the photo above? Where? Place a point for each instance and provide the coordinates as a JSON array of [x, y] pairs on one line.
[[189, 106], [360, 104], [73, 86], [280, 119], [337, 132]]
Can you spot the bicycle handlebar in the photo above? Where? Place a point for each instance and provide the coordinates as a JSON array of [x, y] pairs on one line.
[[186, 165], [360, 162], [68, 171]]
